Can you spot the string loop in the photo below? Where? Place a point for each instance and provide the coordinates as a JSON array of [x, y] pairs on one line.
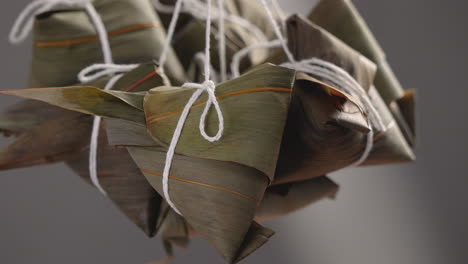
[[23, 25], [207, 86], [25, 21], [99, 70]]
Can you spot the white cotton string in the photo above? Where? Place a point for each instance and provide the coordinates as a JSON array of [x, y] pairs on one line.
[[238, 56], [279, 12], [208, 42], [90, 74], [344, 81], [278, 33], [222, 41], [248, 26], [198, 9], [99, 70], [23, 26], [367, 150], [170, 35], [200, 61], [207, 86], [96, 20], [339, 77], [162, 7], [25, 21], [336, 75], [93, 147]]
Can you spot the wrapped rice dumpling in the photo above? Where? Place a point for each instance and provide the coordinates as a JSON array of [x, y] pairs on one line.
[[341, 18], [328, 127], [65, 41], [337, 104], [67, 139]]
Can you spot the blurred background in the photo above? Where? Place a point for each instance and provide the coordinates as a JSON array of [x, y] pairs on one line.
[[406, 214]]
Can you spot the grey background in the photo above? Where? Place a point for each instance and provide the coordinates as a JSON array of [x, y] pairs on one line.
[[406, 214]]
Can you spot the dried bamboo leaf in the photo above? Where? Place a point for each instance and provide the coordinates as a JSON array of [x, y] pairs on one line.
[[67, 139], [123, 183], [218, 199], [123, 133], [341, 18], [322, 132], [51, 141], [256, 237], [405, 107], [327, 127], [306, 40], [283, 199], [25, 115]]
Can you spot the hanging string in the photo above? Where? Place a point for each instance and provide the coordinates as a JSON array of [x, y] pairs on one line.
[[198, 9], [278, 33], [102, 32], [207, 86], [222, 41], [279, 12], [170, 35], [24, 23], [200, 61]]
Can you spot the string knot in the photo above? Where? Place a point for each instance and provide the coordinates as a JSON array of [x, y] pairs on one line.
[[24, 23], [209, 87]]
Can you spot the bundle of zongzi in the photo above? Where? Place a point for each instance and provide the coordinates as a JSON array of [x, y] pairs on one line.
[[177, 168]]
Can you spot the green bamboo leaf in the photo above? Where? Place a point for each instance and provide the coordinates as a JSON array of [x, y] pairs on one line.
[[286, 198]]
